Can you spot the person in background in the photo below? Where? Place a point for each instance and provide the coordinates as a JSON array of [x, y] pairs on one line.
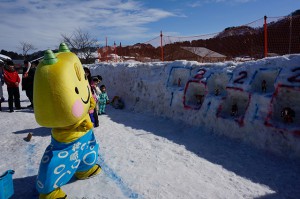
[[93, 116], [117, 102], [92, 108], [12, 80], [288, 114], [264, 86], [234, 109], [103, 100], [97, 91], [1, 84], [28, 78]]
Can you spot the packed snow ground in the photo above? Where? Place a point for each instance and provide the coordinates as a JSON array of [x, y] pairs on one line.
[[143, 156]]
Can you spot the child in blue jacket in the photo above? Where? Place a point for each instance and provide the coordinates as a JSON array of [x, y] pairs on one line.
[[102, 100]]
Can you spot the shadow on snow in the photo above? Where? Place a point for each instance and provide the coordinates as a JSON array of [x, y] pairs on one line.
[[278, 173], [25, 188], [40, 131]]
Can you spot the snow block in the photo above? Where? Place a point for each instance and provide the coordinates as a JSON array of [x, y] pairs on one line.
[[234, 105], [200, 73], [6, 185], [194, 94], [241, 78], [178, 77], [285, 96], [216, 83], [263, 80]]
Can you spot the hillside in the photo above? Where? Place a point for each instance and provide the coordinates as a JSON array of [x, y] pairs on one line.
[[283, 38], [246, 40]]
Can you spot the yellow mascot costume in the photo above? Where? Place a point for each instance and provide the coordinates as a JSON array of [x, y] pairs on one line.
[[62, 100]]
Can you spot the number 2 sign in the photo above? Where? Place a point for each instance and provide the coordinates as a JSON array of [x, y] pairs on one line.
[[241, 78], [296, 77]]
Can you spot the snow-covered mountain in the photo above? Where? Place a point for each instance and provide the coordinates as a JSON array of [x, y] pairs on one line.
[[237, 31]]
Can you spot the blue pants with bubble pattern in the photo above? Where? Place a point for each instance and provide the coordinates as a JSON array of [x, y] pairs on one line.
[[61, 160]]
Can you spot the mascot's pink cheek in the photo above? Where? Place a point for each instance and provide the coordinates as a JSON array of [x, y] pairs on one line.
[[77, 108]]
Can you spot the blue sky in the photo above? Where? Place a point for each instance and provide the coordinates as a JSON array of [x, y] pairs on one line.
[[41, 23]]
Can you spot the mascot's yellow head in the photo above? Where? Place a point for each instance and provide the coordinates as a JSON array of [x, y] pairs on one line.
[[61, 89]]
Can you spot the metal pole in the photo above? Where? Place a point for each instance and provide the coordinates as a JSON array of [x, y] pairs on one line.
[[120, 51], [290, 42], [106, 50], [115, 52], [99, 54], [161, 46], [265, 37]]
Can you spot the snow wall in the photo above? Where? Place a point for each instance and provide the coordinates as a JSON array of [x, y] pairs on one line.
[[240, 100]]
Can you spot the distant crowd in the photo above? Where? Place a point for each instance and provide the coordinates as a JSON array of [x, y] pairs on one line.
[[10, 77]]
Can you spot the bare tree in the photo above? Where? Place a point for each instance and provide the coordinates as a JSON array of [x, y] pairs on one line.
[[25, 47], [82, 43]]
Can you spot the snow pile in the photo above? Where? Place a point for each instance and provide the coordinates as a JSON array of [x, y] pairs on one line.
[[4, 57], [203, 95]]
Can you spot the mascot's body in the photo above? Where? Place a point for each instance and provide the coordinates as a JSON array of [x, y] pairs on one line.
[[62, 99]]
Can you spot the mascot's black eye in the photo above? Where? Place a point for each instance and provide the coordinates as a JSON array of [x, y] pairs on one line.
[[76, 90]]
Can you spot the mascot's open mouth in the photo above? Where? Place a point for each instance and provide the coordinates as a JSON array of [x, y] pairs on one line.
[[88, 99]]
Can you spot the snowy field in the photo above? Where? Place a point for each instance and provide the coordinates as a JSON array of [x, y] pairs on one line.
[[146, 156]]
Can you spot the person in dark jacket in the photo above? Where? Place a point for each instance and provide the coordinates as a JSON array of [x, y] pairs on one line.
[[93, 114], [28, 78], [12, 80], [1, 83]]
